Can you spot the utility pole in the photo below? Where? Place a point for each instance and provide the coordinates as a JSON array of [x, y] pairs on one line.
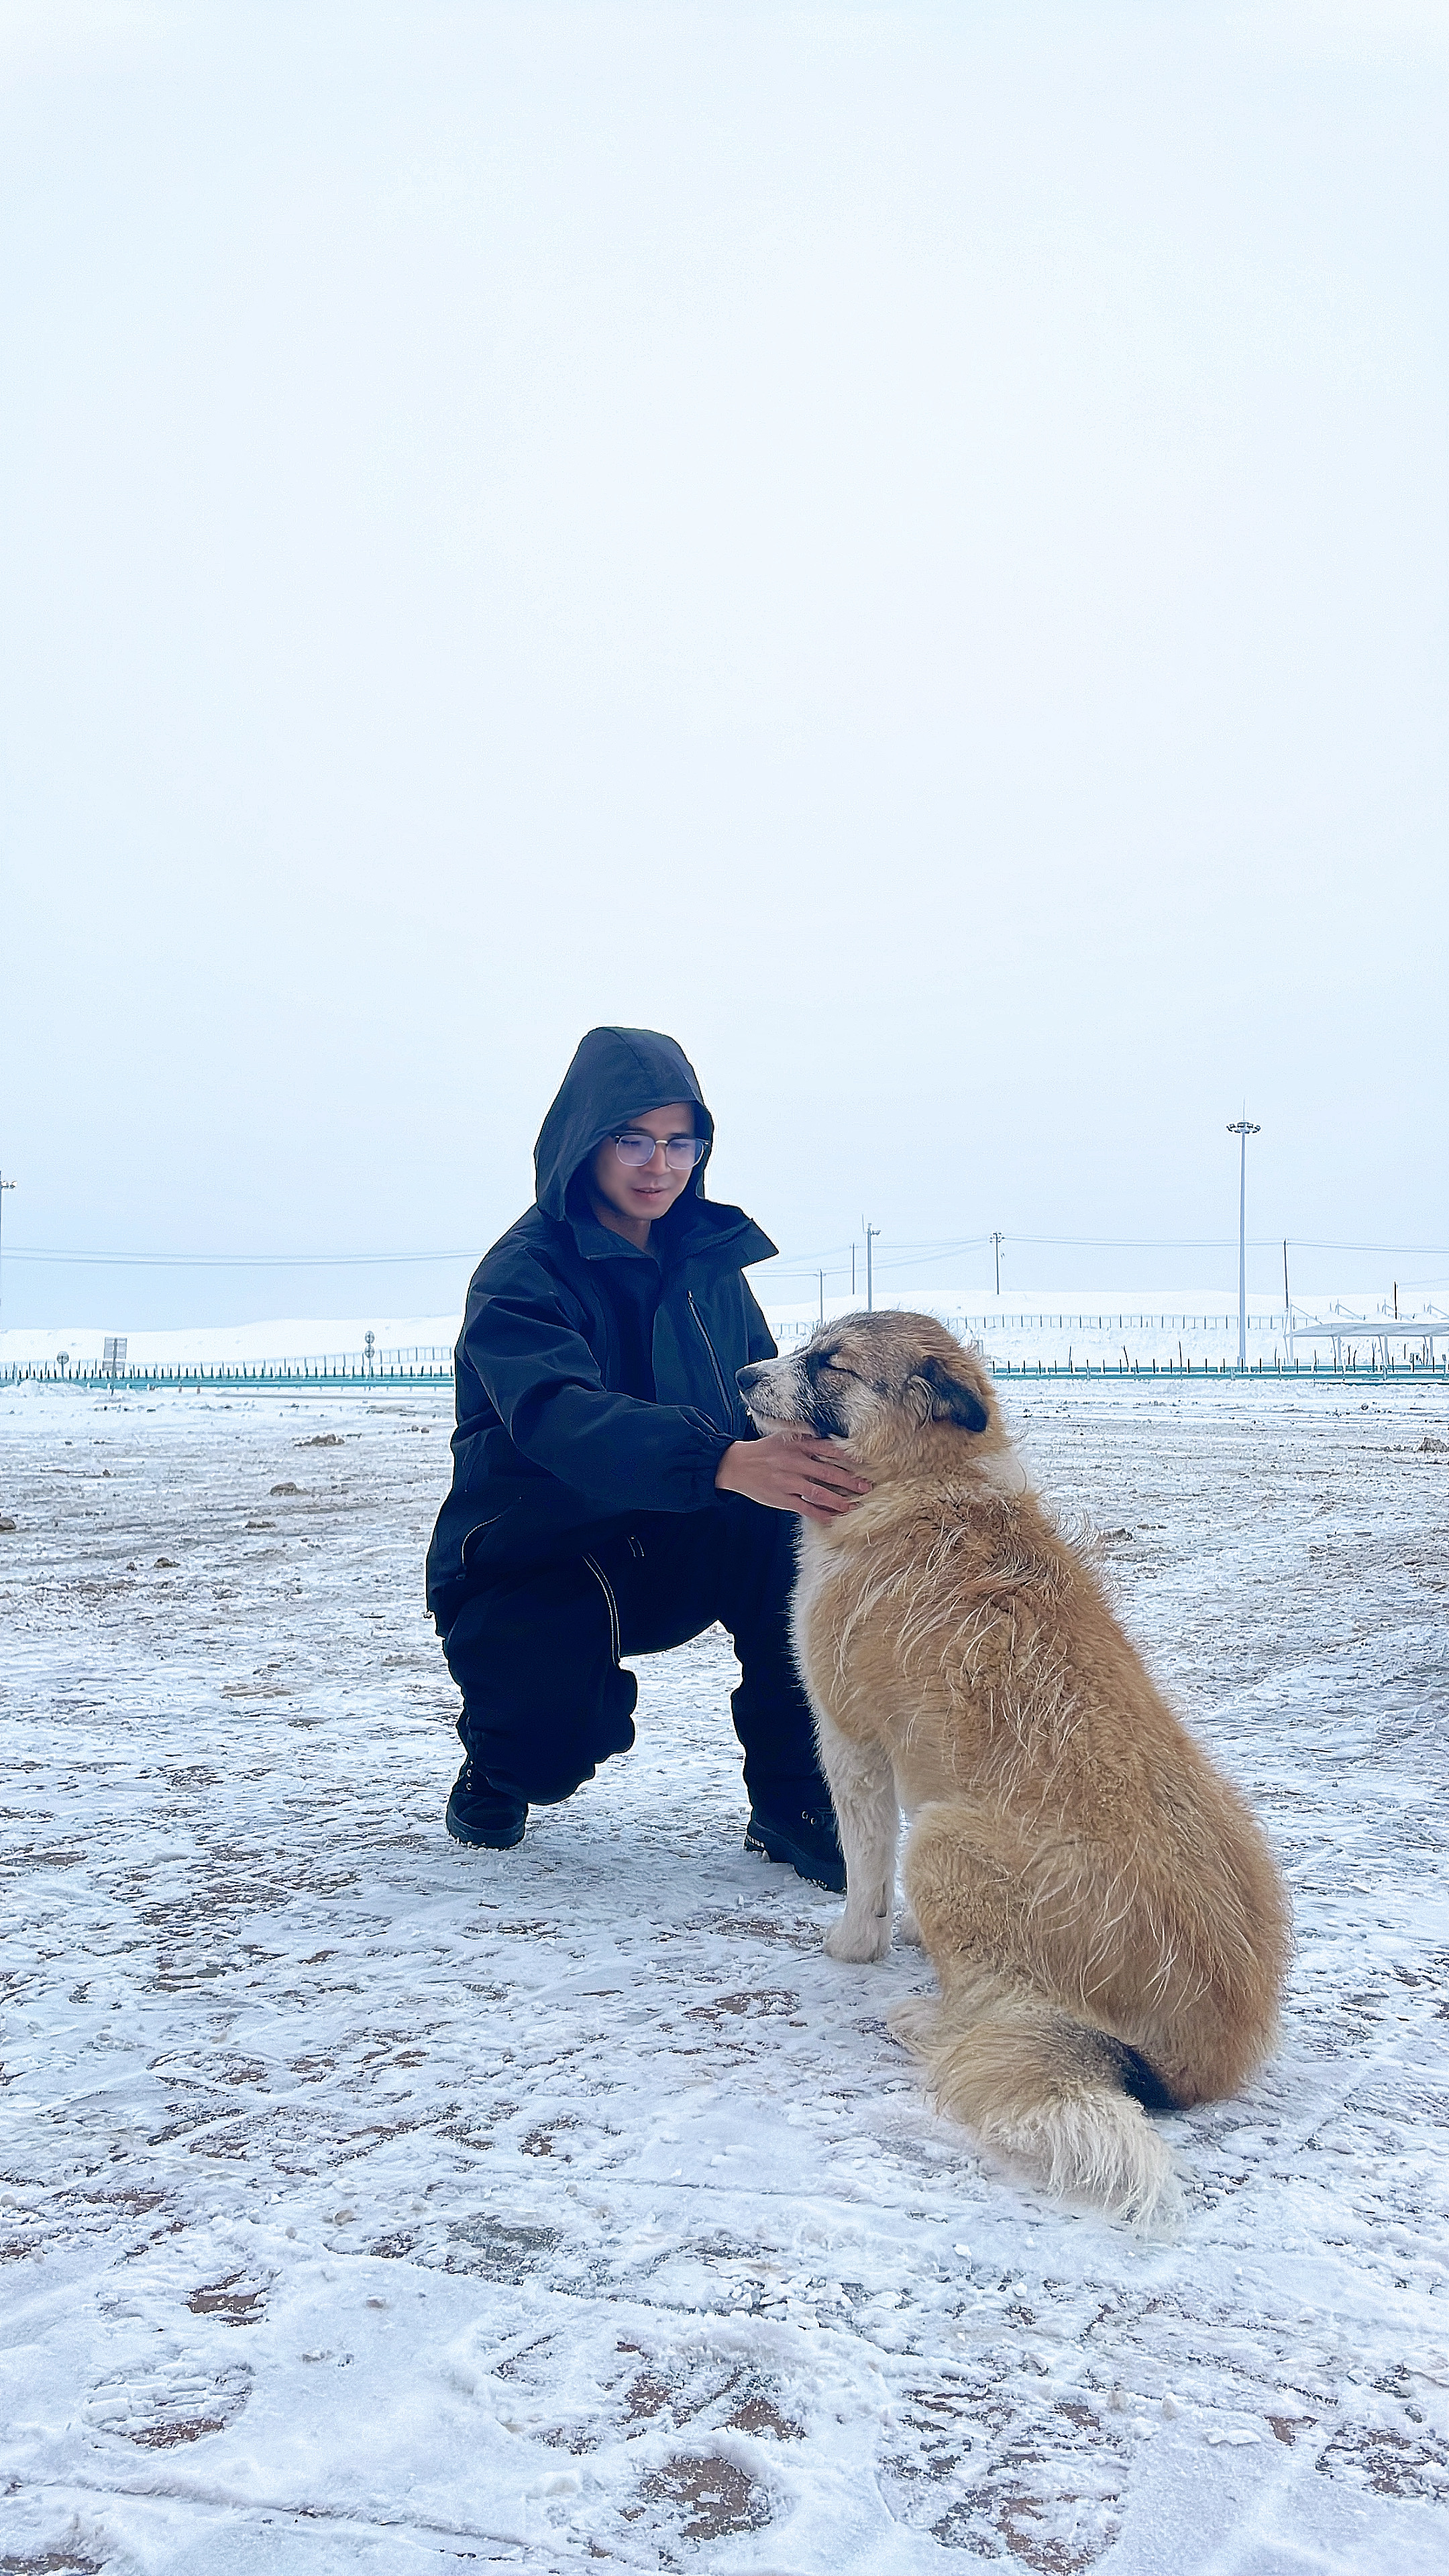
[[997, 1241], [4, 1185], [1243, 1128], [871, 1232]]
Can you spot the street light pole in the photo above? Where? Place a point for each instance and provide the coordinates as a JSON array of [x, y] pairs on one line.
[[997, 1241], [871, 1231], [1243, 1128], [4, 1185]]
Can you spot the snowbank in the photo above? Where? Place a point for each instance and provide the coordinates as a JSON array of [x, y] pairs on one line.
[[1026, 1324]]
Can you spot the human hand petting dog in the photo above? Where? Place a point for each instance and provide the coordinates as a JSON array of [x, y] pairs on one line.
[[791, 1474]]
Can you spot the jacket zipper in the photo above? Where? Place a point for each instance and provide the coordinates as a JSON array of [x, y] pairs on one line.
[[607, 1589], [729, 1411]]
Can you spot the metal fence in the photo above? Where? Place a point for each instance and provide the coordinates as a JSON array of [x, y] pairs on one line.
[[320, 1378], [279, 1377]]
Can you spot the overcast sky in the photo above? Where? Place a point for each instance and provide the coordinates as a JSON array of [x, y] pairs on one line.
[[902, 544]]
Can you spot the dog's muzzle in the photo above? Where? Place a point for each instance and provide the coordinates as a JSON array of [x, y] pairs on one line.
[[753, 1382]]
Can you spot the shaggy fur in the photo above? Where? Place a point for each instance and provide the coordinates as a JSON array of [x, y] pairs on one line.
[[1101, 1909]]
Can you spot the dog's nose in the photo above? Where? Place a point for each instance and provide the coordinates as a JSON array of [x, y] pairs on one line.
[[746, 1377]]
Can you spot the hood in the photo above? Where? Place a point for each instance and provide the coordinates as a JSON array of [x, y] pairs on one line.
[[616, 1075]]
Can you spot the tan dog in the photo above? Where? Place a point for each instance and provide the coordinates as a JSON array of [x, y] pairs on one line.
[[1100, 1907]]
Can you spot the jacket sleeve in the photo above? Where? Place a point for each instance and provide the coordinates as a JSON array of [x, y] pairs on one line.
[[541, 1376]]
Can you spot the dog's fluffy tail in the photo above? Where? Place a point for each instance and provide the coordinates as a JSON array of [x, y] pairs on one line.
[[1059, 2101]]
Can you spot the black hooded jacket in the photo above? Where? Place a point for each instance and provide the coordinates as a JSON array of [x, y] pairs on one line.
[[548, 1447]]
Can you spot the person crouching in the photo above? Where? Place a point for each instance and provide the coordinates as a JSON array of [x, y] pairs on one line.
[[610, 1494]]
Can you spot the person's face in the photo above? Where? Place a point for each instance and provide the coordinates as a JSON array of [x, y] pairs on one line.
[[643, 1191]]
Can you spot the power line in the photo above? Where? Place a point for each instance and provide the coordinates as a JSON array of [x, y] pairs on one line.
[[784, 1265], [1309, 1243], [236, 1260], [904, 1256]]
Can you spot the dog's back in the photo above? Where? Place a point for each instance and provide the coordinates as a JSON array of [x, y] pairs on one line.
[[971, 1642]]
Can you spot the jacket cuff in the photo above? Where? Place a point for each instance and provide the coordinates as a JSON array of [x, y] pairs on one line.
[[716, 1443]]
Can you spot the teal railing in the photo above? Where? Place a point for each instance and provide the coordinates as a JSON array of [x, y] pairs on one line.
[[300, 1377]]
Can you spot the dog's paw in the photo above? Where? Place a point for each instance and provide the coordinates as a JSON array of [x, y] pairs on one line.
[[857, 1942], [908, 1929], [913, 2022]]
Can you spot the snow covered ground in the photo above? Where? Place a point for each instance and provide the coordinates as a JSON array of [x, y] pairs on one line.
[[366, 2204], [1158, 1325]]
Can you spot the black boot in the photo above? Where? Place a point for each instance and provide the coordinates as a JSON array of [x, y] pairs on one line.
[[804, 1836], [480, 1814]]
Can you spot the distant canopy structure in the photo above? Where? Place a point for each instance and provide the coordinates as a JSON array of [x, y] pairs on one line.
[[1427, 1329]]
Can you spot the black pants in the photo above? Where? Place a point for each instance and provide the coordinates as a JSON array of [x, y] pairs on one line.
[[536, 1654]]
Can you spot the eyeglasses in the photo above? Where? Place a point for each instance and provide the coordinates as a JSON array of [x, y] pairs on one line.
[[681, 1153]]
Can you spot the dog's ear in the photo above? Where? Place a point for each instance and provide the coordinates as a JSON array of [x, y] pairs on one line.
[[946, 1398]]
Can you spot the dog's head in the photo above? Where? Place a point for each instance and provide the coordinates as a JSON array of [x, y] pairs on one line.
[[875, 1380]]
